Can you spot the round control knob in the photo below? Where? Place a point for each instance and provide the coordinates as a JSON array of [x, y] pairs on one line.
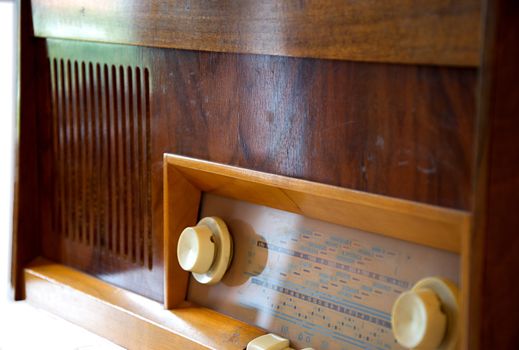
[[205, 250], [195, 249], [418, 321], [426, 317]]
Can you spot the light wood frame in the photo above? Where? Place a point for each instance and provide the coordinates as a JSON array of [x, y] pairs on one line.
[[186, 178], [129, 319]]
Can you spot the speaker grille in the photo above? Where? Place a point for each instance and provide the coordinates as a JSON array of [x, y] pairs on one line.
[[101, 136]]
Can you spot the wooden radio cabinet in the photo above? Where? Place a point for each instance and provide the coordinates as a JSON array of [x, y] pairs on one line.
[[396, 119]]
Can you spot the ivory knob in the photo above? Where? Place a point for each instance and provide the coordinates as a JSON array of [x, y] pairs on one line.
[[196, 249], [268, 342], [427, 316], [206, 250], [418, 321]]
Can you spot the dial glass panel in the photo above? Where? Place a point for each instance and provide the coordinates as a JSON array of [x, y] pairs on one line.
[[316, 283]]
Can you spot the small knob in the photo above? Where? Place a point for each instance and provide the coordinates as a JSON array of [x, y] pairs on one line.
[[196, 249], [418, 321], [268, 342]]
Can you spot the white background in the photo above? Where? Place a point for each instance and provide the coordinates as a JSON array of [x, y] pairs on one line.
[[7, 117]]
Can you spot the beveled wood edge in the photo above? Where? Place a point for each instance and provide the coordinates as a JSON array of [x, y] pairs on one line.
[[126, 318], [465, 61], [312, 32], [182, 203], [407, 213]]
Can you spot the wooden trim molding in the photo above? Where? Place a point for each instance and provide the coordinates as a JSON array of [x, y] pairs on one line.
[[186, 178], [398, 31], [129, 319]]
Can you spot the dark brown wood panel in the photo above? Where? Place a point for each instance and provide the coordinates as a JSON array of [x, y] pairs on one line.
[[426, 32], [396, 130], [101, 150], [494, 262], [28, 216], [101, 207]]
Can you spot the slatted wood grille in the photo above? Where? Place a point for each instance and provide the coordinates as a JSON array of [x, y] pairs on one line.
[[101, 133]]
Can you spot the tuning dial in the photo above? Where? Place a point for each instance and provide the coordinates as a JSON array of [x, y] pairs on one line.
[[205, 250], [426, 317]]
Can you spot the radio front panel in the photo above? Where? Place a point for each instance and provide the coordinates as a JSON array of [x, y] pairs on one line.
[[318, 284], [114, 110], [322, 266]]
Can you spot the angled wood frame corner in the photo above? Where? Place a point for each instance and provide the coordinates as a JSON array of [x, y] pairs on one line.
[[186, 178], [126, 318]]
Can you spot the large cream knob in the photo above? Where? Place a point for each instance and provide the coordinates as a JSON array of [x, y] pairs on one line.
[[205, 250], [426, 317], [418, 322], [195, 249]]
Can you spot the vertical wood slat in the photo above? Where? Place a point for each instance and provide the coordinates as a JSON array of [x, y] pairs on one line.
[[131, 162], [141, 120], [102, 150], [90, 148], [147, 172], [84, 149], [71, 112], [57, 218], [136, 165], [118, 166], [94, 87], [65, 141], [100, 155], [123, 152], [80, 149], [77, 151], [71, 121], [129, 152], [103, 116], [111, 228]]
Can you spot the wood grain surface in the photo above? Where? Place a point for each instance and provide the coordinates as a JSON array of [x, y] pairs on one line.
[[400, 131], [128, 319], [421, 32], [29, 209], [397, 130], [494, 261], [394, 130], [181, 207]]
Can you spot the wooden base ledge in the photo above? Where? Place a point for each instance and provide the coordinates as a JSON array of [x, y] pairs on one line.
[[128, 319]]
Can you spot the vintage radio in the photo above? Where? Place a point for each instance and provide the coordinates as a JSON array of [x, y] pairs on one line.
[[271, 174]]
